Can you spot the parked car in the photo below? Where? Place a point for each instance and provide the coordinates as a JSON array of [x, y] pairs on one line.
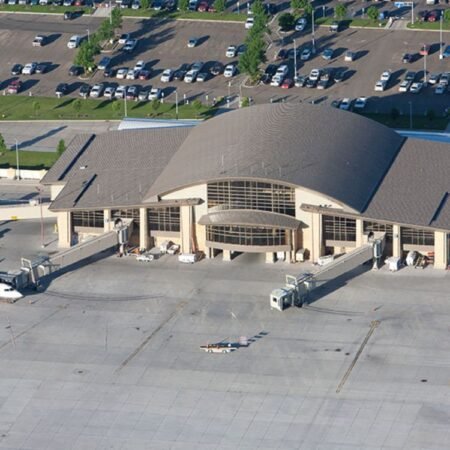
[[191, 76], [39, 41], [69, 15], [109, 72], [104, 63], [203, 7], [386, 76], [310, 84], [16, 69], [202, 76], [74, 41], [249, 23], [416, 87], [306, 54], [192, 42], [440, 89], [197, 65], [335, 26], [75, 71], [132, 92], [434, 78], [339, 75], [42, 68], [404, 86], [167, 76], [410, 76], [424, 50], [155, 94], [61, 89], [121, 73], [120, 92], [97, 90], [29, 68], [180, 73], [132, 74], [14, 87], [349, 56], [231, 51], [445, 78], [216, 69], [109, 92], [84, 90], [282, 54], [143, 94], [380, 86], [230, 71], [345, 104], [241, 49], [314, 74], [287, 83], [301, 24], [300, 80], [360, 103], [446, 52], [407, 58], [327, 54], [123, 38], [323, 83], [277, 80], [130, 45]]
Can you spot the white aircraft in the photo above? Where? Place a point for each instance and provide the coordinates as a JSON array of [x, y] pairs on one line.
[[7, 292]]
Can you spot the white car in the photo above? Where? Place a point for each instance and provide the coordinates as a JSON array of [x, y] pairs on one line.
[[416, 87], [349, 56], [198, 66], [29, 69], [155, 94], [360, 103], [132, 74], [97, 90], [167, 76], [314, 75], [120, 92], [74, 41], [191, 76], [145, 257], [230, 71], [231, 51], [404, 86], [109, 92], [122, 73], [434, 78], [386, 76], [283, 70], [277, 80], [445, 78], [140, 65], [124, 38], [301, 24], [440, 89], [306, 54], [380, 86], [130, 45], [345, 104], [249, 23]]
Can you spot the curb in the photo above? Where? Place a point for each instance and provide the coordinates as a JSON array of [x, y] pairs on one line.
[[39, 13], [62, 120]]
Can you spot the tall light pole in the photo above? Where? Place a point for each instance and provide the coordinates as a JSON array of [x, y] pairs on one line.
[[441, 56], [425, 65], [176, 104], [295, 59], [42, 217], [412, 13], [17, 161], [125, 103], [313, 37], [110, 12], [88, 35]]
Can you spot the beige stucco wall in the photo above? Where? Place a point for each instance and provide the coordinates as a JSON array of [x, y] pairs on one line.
[[55, 189], [440, 250], [64, 229]]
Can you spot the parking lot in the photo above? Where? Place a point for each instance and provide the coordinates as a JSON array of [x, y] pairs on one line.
[[108, 357], [162, 44]]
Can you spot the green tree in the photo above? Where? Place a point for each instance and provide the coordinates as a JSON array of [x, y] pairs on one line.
[[431, 115], [245, 102], [105, 31], [395, 114], [286, 21], [116, 107], [61, 147], [372, 13], [220, 5], [447, 15], [36, 107], [298, 4], [308, 9], [85, 54], [3, 147], [340, 11], [116, 18], [77, 106], [145, 4], [155, 104], [197, 105], [183, 5]]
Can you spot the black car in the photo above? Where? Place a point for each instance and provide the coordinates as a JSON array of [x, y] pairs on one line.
[[16, 69], [266, 78], [62, 89], [407, 58], [282, 54], [75, 71], [241, 50], [69, 15], [311, 83], [216, 69], [42, 68], [271, 8], [271, 70], [85, 89], [410, 76], [181, 72], [109, 72], [339, 75]]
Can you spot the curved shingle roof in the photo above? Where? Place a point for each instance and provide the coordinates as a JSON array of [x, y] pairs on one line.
[[341, 155]]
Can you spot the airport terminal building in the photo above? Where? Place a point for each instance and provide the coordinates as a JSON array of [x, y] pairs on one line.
[[271, 179]]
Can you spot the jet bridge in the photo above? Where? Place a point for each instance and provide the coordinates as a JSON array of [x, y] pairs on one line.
[[297, 288]]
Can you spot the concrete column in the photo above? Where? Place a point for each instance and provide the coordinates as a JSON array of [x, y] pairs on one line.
[[396, 241], [359, 233], [226, 255], [209, 253], [186, 229], [107, 225], [294, 244], [143, 229], [65, 232], [440, 250], [316, 232], [270, 257]]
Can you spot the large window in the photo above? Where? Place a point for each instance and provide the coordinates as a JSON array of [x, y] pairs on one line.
[[414, 236], [126, 213], [377, 226], [164, 219], [252, 195], [239, 235], [339, 229], [88, 219]]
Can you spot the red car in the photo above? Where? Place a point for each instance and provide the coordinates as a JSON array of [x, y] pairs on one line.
[[14, 87], [287, 83], [203, 7], [425, 50]]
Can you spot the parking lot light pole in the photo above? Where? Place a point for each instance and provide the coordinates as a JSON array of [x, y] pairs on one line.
[[313, 41], [42, 217], [17, 161], [441, 56], [88, 35], [410, 115], [425, 66], [412, 13], [110, 12], [125, 105], [176, 104], [295, 59]]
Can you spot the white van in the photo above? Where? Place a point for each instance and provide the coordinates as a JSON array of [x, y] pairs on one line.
[[74, 41]]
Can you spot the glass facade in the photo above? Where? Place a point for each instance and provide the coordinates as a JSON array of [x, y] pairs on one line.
[[377, 226], [164, 219], [413, 236], [339, 229], [88, 219], [126, 213], [246, 194], [240, 235]]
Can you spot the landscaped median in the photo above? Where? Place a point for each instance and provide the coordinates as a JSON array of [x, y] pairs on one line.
[[44, 9], [28, 160], [185, 15], [404, 121], [66, 108], [353, 23], [433, 26]]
